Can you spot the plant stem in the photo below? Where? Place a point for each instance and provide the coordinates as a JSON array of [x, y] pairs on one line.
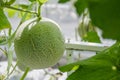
[[25, 74], [10, 7], [3, 51], [39, 10], [13, 69]]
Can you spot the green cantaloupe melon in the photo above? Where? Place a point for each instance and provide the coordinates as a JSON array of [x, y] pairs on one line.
[[39, 44]]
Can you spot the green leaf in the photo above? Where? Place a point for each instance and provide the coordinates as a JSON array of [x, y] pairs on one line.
[[93, 72], [10, 2], [69, 67], [23, 6], [80, 6], [11, 12], [1, 3], [63, 1], [43, 1], [32, 0], [103, 66], [105, 14], [21, 14], [92, 36], [4, 23]]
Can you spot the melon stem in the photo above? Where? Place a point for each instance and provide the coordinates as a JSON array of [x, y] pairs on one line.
[[25, 73], [39, 9]]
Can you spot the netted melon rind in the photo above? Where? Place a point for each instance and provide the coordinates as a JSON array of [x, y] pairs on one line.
[[39, 45]]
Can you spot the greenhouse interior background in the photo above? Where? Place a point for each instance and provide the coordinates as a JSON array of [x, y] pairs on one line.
[[66, 16]]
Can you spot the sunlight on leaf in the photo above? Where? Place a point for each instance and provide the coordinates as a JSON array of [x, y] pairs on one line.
[[21, 14], [75, 67], [11, 12], [43, 1]]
